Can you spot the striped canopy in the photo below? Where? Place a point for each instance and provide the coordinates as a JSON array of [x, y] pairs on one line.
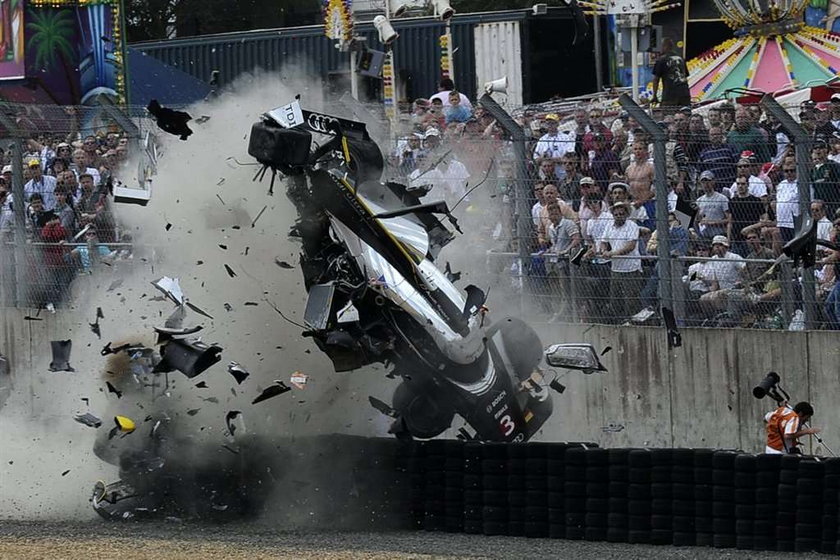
[[772, 64]]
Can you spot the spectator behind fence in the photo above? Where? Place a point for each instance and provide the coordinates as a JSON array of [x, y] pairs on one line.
[[66, 213], [747, 137], [7, 218], [746, 210], [621, 238], [555, 143], [713, 215], [824, 225], [570, 186], [91, 252], [726, 273], [56, 275], [825, 177], [832, 262], [446, 86], [455, 112], [720, 158], [787, 201], [604, 165], [756, 186], [695, 282], [40, 184]]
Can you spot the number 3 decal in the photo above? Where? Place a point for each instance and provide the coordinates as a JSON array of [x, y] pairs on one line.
[[507, 425]]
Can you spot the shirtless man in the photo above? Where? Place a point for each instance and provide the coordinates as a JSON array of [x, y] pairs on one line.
[[640, 172]]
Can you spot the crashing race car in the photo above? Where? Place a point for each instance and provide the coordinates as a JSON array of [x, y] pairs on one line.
[[376, 295]]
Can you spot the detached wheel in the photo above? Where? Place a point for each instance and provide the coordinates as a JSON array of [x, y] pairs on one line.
[[424, 414]]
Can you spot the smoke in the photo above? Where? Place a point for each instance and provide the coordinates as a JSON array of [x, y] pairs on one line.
[[202, 216], [221, 234]]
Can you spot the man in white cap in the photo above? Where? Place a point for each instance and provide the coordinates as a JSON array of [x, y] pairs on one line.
[[621, 239], [555, 143], [723, 274]]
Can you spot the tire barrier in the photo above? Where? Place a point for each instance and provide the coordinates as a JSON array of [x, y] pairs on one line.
[[578, 491]]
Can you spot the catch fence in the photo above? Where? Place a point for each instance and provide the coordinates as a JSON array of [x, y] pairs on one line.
[[536, 208]]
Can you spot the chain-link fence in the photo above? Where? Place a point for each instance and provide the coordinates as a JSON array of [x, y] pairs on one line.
[[571, 230], [562, 205], [61, 175]]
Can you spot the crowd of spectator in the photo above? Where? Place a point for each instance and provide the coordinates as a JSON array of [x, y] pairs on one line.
[[69, 219], [733, 202]]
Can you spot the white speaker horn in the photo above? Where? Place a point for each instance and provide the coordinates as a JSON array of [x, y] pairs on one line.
[[443, 10], [387, 35], [497, 86]]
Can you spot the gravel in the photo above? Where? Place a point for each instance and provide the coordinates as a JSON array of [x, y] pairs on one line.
[[29, 540]]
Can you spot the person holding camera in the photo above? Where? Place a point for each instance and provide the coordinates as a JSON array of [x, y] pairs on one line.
[[786, 425]]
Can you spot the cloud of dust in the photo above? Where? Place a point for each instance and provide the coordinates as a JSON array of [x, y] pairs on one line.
[[212, 205]]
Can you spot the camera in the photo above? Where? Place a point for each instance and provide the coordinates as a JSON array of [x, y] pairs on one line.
[[770, 386]]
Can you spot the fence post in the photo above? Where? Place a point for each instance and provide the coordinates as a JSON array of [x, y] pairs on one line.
[[803, 182], [660, 183], [19, 203], [522, 191]]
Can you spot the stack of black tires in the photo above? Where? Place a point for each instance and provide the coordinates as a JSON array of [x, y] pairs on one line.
[[682, 497], [494, 484], [472, 480]]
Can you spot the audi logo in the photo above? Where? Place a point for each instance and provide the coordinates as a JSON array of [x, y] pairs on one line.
[[321, 123]]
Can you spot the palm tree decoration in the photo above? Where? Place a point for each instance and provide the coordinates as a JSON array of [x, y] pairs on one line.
[[52, 39]]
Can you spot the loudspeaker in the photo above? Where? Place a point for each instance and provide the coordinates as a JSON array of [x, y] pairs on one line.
[[443, 10], [497, 86], [387, 35]]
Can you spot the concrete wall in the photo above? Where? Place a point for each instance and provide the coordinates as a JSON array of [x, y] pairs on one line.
[[698, 395]]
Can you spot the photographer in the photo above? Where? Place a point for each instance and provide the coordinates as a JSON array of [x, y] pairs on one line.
[[785, 426]]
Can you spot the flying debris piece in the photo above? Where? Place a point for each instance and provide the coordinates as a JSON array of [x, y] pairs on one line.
[[28, 318], [251, 304], [382, 407], [674, 336], [254, 223], [201, 385], [238, 372], [174, 326], [607, 349], [104, 38], [213, 400], [108, 350], [65, 472], [612, 428], [193, 412], [278, 388], [283, 264], [451, 276], [173, 122], [61, 355], [557, 386], [230, 271], [115, 284], [228, 307], [189, 356], [223, 247], [198, 310], [168, 226], [85, 400], [229, 418], [124, 424], [232, 450], [88, 419], [299, 380], [94, 327], [112, 389], [202, 119], [171, 288]]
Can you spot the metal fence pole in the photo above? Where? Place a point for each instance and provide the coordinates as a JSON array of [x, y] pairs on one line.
[[522, 190], [19, 204], [803, 166], [660, 182]]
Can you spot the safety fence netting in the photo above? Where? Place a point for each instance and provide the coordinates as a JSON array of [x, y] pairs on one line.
[[73, 166], [563, 221], [556, 206]]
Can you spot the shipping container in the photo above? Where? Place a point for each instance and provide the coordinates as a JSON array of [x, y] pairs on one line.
[[535, 52]]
